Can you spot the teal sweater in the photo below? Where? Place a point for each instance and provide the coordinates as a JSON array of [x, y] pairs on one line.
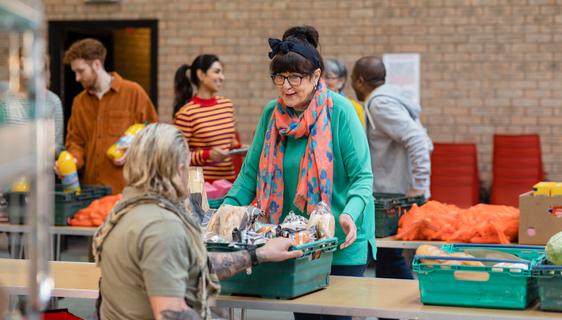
[[353, 178]]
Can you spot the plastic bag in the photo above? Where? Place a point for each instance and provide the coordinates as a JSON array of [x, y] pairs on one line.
[[294, 222], [322, 218]]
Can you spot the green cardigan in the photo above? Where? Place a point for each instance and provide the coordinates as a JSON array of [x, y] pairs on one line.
[[353, 178]]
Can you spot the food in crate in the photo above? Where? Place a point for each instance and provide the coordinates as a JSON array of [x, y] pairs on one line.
[[500, 276], [249, 225], [554, 249], [430, 250], [94, 215], [484, 254], [322, 218]]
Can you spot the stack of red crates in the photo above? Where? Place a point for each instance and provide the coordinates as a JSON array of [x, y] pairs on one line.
[[517, 166], [454, 174]]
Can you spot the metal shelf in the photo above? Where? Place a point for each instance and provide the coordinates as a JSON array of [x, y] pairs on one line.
[[25, 149]]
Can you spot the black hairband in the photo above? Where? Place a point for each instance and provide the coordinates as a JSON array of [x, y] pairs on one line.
[[278, 46]]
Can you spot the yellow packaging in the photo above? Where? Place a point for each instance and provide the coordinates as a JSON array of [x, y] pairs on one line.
[[117, 150], [21, 185], [543, 188], [67, 168], [556, 190]]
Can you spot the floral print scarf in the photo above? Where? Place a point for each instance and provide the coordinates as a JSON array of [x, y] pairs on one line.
[[316, 167]]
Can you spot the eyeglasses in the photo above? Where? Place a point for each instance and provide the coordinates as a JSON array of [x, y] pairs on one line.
[[295, 80]]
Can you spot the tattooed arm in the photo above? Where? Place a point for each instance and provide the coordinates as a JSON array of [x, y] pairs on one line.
[[179, 315], [226, 265], [172, 308]]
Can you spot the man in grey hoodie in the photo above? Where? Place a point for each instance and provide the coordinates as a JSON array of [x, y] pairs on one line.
[[400, 147]]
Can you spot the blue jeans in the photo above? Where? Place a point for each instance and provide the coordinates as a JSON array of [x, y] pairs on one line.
[[391, 264], [350, 271]]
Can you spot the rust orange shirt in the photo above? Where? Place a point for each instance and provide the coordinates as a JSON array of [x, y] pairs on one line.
[[95, 124]]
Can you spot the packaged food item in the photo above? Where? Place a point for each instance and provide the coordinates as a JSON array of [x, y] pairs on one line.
[[67, 168], [294, 222], [227, 218], [196, 184], [268, 231], [117, 150], [322, 218], [510, 265], [21, 185], [429, 250], [466, 255], [298, 237]]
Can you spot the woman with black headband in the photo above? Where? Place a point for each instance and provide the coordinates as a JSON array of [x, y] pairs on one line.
[[309, 147]]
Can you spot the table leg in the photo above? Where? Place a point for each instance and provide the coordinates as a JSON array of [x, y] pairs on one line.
[[13, 239], [57, 247], [230, 313], [242, 314], [21, 248]]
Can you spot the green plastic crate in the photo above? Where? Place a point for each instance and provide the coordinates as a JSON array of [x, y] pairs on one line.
[[549, 278], [66, 203], [389, 207], [17, 206], [479, 286], [215, 203], [283, 280]]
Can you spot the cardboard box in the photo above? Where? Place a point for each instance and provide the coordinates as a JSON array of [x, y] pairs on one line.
[[540, 218]]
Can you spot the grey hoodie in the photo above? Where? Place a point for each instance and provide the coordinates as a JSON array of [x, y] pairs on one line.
[[400, 147]]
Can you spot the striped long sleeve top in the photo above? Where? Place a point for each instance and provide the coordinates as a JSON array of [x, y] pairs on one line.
[[208, 124]]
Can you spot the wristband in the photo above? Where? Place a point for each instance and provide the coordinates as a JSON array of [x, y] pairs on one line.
[[253, 256]]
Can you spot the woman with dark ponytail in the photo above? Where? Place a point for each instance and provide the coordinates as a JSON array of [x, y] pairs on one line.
[[205, 119], [183, 90]]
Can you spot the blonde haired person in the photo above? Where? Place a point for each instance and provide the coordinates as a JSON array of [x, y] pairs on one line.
[[153, 261]]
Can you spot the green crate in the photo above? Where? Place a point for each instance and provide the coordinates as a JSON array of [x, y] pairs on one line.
[[389, 207], [549, 278], [479, 286], [17, 206], [66, 203], [283, 280], [215, 203]]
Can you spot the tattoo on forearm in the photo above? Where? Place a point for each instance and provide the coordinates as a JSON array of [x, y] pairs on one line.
[[226, 265], [180, 315]]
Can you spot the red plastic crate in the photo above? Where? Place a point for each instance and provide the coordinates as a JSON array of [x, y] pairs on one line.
[[60, 314], [454, 174]]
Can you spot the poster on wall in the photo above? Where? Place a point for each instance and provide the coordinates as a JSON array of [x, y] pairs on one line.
[[403, 70]]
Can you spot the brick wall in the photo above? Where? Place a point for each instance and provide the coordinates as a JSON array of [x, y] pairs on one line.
[[4, 48], [487, 66], [132, 55]]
